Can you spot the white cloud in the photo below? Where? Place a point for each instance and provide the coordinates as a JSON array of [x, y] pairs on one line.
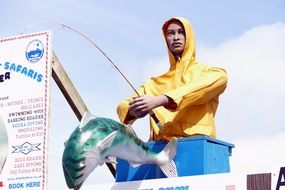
[[155, 67], [253, 103], [258, 155]]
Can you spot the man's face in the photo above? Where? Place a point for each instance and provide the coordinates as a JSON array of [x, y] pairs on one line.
[[175, 37]]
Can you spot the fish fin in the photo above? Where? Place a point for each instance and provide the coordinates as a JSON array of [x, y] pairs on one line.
[[169, 169], [107, 141], [87, 116], [167, 164], [108, 160], [169, 151]]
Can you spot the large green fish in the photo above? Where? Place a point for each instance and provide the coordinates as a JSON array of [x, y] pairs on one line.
[[97, 138]]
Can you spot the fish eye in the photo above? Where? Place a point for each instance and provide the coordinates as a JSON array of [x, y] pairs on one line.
[[82, 163]]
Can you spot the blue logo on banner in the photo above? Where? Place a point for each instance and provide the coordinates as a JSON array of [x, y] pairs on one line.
[[34, 51], [26, 148]]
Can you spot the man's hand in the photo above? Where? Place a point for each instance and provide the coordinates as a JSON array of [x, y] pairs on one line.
[[142, 105]]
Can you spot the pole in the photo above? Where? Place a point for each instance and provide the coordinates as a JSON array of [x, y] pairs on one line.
[[71, 94]]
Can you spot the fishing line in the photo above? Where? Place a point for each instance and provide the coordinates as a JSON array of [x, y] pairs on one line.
[[89, 40], [106, 56]]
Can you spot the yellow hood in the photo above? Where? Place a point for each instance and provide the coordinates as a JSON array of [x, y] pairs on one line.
[[189, 54], [179, 72]]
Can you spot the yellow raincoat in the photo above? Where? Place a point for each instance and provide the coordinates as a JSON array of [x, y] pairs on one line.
[[193, 86]]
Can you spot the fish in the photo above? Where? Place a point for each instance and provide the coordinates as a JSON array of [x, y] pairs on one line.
[[97, 139], [3, 145]]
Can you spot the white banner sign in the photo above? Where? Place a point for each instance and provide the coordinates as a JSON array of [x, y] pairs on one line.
[[199, 182], [222, 181], [25, 73]]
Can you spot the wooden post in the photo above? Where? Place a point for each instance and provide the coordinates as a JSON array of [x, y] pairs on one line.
[[70, 93], [259, 181]]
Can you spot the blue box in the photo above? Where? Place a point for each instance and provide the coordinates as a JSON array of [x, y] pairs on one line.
[[196, 155]]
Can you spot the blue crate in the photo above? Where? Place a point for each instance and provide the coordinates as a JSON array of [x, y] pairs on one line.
[[196, 155]]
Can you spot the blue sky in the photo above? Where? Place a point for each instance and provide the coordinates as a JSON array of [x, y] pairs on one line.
[[245, 37]]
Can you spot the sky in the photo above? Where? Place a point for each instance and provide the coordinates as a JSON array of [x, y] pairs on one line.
[[247, 38]]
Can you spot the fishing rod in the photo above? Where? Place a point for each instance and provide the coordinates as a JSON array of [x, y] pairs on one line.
[[151, 113]]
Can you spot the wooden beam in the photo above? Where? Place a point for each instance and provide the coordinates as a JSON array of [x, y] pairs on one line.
[[67, 88], [70, 93]]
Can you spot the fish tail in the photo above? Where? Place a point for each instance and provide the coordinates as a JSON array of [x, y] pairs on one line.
[[169, 169], [167, 165]]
